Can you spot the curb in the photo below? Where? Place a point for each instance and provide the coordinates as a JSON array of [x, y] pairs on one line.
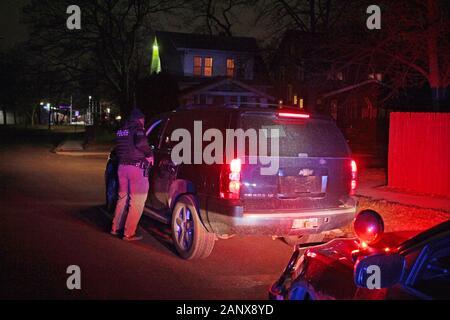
[[368, 198], [81, 153], [59, 150]]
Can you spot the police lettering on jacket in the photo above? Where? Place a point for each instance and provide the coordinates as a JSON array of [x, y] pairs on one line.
[[132, 145]]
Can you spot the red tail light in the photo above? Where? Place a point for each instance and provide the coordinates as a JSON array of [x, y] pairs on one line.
[[354, 169], [293, 115], [230, 180]]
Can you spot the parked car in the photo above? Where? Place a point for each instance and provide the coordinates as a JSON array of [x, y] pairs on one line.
[[310, 192], [411, 266]]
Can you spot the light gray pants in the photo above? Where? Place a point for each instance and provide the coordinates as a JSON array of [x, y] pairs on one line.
[[132, 185]]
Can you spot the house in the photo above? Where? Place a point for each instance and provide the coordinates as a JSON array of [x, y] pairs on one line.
[[211, 69], [306, 75]]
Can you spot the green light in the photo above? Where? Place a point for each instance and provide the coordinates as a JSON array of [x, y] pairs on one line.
[[156, 61]]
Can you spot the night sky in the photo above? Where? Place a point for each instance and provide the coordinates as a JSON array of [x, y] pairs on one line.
[[12, 30]]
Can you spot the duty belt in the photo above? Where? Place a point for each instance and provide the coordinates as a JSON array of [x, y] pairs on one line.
[[135, 164]]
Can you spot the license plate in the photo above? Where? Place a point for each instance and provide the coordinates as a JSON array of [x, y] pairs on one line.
[[309, 223], [290, 184]]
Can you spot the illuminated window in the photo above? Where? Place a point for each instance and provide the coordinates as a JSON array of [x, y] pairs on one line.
[[336, 76], [377, 76], [230, 67], [197, 66], [208, 67]]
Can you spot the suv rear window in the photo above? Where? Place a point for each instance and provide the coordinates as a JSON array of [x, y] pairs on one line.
[[310, 137]]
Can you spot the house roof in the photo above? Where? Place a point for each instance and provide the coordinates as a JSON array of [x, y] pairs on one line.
[[351, 87], [220, 81], [209, 42]]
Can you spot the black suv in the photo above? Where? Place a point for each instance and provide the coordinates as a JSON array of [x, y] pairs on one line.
[[308, 193]]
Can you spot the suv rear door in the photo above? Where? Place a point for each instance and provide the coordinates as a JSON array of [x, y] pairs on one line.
[[314, 170]]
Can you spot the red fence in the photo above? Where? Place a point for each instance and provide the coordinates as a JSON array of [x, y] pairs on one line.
[[419, 152]]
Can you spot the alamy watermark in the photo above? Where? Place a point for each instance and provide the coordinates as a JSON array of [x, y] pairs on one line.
[[73, 22], [373, 22], [373, 281], [73, 282], [189, 150]]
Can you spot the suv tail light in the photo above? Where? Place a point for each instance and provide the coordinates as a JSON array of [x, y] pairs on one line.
[[354, 169], [230, 180]]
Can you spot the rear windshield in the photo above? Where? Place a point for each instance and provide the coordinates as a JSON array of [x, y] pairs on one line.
[[308, 138]]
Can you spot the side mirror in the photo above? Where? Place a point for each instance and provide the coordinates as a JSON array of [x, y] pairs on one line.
[[379, 271]]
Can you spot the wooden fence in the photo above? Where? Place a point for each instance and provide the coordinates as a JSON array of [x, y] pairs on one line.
[[419, 152]]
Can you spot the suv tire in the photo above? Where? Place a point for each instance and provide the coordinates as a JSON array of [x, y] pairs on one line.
[[190, 238]]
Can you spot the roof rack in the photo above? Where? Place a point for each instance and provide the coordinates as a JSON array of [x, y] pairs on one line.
[[204, 106], [237, 106]]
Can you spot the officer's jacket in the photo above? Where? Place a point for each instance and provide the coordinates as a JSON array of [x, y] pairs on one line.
[[132, 145]]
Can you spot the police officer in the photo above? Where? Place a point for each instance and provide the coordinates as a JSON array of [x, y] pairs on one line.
[[134, 155]]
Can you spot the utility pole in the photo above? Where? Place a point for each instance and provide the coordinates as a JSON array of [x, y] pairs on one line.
[[49, 106], [91, 121], [70, 112]]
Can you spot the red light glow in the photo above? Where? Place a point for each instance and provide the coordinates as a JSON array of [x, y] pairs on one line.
[[354, 169], [354, 166], [235, 165], [353, 185], [230, 180]]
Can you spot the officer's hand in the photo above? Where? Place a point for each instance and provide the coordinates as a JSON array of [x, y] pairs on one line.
[[150, 160]]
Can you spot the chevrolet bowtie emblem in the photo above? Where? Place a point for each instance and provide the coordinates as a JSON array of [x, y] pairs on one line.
[[306, 172]]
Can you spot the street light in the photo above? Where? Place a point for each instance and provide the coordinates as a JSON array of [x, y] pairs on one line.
[[91, 120], [48, 105]]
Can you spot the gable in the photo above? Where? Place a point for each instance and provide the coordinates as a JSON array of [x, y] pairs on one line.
[[225, 86]]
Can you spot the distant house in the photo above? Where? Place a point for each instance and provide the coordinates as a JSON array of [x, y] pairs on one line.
[[212, 69], [305, 76]]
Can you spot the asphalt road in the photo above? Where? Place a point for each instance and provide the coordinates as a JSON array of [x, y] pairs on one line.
[[50, 218]]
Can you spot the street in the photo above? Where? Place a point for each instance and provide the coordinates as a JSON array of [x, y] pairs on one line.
[[51, 218]]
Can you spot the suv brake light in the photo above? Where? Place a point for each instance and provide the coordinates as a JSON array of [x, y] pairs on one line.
[[354, 168], [230, 180], [293, 115]]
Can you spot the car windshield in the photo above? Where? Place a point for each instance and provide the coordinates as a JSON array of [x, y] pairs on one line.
[[309, 138]]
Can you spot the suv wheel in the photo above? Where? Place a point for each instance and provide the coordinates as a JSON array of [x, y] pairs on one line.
[[308, 238], [189, 236]]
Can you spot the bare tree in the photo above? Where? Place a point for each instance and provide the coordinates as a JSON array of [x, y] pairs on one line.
[[416, 40], [216, 16], [112, 44], [410, 50], [309, 16], [26, 79]]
